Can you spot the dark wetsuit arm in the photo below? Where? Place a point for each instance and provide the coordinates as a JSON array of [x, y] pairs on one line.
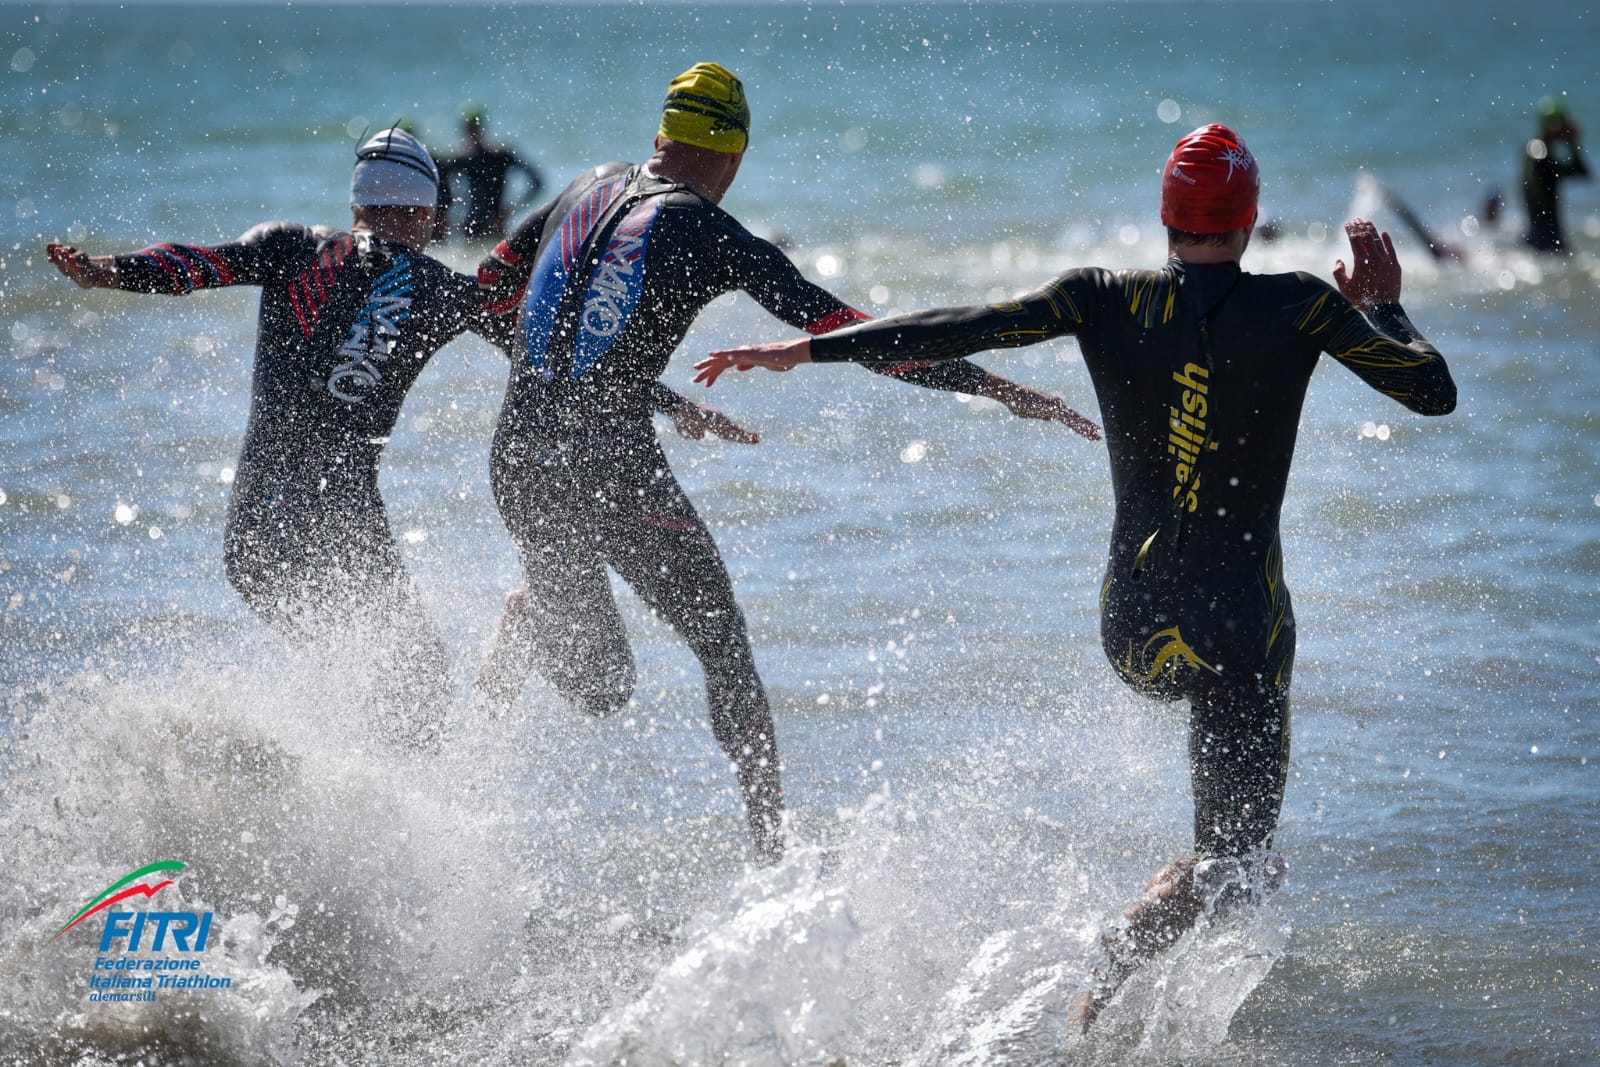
[[777, 285], [1385, 351], [953, 332], [254, 259]]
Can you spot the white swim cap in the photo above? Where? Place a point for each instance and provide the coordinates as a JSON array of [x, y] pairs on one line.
[[394, 168]]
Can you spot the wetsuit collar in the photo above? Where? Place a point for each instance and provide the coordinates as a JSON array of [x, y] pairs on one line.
[[1208, 283]]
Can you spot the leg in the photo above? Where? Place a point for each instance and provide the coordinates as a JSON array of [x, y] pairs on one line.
[[564, 623], [1238, 754], [1238, 760], [1238, 757], [668, 557]]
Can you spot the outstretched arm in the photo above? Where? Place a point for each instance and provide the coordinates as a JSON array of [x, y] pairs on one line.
[[1024, 402], [176, 269]]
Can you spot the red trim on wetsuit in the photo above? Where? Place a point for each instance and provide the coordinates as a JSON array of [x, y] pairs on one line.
[[848, 316], [153, 254], [487, 278], [835, 320], [197, 279], [299, 310], [224, 273]]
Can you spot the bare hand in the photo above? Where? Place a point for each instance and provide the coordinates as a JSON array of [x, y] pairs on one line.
[[1376, 277], [694, 421], [779, 356], [86, 271], [1026, 403]]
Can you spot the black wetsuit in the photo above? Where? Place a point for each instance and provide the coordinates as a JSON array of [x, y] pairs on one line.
[[347, 322], [606, 281], [484, 174], [1542, 175], [1201, 430]]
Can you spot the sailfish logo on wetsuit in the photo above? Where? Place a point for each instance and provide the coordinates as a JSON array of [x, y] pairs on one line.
[[1188, 435], [614, 290], [549, 279], [373, 335]]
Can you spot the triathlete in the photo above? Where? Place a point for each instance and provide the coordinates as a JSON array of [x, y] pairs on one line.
[[605, 281], [1200, 370], [347, 322], [478, 176], [1545, 165]]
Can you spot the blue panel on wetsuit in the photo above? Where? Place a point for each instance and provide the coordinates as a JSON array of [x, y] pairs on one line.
[[614, 290], [549, 279]]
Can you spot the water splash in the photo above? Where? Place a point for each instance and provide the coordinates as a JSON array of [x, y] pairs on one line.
[[759, 981], [332, 866]]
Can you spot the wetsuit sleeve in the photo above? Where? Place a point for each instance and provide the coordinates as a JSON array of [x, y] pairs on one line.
[[775, 283], [952, 332], [1385, 351], [256, 258], [503, 278]]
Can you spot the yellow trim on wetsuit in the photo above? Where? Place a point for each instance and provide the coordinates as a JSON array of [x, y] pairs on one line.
[[1318, 306], [1050, 294], [1145, 290], [1273, 566], [1175, 648]]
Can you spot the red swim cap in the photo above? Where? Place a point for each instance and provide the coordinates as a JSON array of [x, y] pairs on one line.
[[1210, 182]]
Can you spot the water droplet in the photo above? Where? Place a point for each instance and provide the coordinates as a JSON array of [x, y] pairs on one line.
[[914, 452], [22, 60], [1168, 111]]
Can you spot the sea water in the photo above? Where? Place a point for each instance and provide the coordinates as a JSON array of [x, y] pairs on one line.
[[973, 793]]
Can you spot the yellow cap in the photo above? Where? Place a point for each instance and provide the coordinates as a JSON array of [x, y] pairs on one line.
[[706, 107]]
